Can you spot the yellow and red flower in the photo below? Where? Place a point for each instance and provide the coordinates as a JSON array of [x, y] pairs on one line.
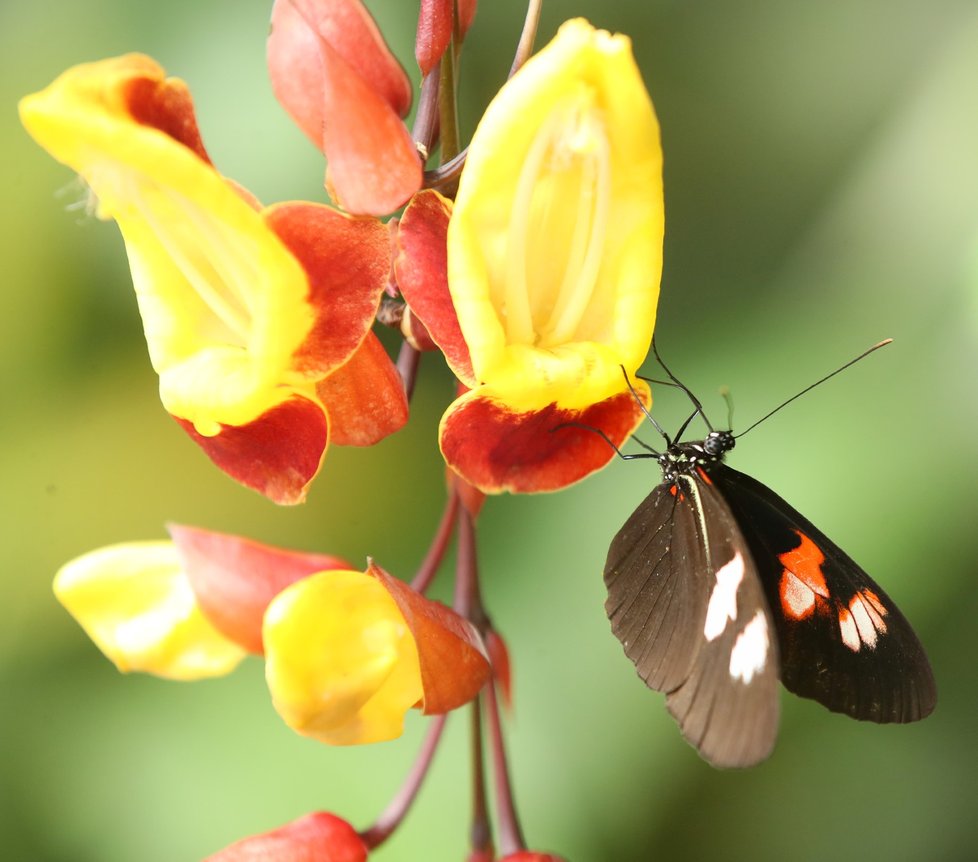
[[553, 253], [347, 653], [257, 320]]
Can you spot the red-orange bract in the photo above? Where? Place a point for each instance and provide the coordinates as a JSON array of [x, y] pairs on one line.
[[319, 837], [332, 71]]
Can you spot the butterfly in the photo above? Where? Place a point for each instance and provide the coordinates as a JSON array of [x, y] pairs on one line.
[[718, 588]]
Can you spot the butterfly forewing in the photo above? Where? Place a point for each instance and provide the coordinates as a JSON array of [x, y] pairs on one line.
[[843, 642], [652, 603], [686, 603]]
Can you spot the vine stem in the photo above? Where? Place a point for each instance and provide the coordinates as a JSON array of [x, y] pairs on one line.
[[424, 130], [468, 598], [480, 832], [447, 173], [510, 834], [525, 47], [439, 546], [408, 360], [399, 806]]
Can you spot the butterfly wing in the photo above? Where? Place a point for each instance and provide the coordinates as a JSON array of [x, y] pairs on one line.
[[686, 603], [653, 605], [843, 642]]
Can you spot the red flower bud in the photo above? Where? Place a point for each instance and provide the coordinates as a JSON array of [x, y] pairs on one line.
[[334, 74], [532, 856], [318, 837]]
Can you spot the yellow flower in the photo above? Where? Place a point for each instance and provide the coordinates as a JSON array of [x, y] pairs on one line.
[[246, 311], [555, 240], [340, 660], [554, 251], [347, 654], [135, 602]]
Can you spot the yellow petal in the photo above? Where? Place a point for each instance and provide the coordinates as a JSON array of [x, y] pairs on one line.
[[223, 301], [135, 602], [340, 660], [555, 242]]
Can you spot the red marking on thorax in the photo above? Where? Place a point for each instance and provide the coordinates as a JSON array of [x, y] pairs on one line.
[[802, 581], [704, 475]]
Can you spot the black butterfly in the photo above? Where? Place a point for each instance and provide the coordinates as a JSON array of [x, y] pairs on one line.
[[717, 587]]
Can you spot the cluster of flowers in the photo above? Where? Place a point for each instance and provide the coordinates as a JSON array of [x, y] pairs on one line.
[[530, 261]]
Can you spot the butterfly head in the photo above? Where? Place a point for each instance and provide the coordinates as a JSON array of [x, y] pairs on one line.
[[718, 443]]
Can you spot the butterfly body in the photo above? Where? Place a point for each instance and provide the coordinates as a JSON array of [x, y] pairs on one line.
[[718, 588]]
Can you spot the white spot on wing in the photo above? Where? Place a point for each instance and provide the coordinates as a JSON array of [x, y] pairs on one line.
[[848, 630], [797, 598], [862, 624], [749, 653], [723, 601]]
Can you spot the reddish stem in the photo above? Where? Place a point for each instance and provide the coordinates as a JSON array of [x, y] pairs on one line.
[[439, 545], [510, 833], [446, 174], [424, 130], [399, 806], [480, 832], [468, 598], [408, 359]]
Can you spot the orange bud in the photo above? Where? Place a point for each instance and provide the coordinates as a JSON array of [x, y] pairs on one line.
[[333, 73], [318, 837]]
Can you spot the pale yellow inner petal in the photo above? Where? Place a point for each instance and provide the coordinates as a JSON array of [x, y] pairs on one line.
[[559, 226], [224, 304], [212, 271]]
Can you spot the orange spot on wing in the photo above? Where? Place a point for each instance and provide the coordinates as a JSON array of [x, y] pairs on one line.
[[802, 581], [672, 490], [704, 475]]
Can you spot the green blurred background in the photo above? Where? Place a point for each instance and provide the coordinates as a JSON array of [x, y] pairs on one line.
[[822, 193]]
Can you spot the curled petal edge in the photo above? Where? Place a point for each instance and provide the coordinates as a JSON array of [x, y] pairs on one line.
[[498, 449]]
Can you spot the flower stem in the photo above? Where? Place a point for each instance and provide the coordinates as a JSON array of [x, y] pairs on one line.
[[447, 104], [399, 806], [468, 598], [528, 36], [439, 545], [424, 130], [408, 360], [510, 833], [480, 833], [446, 175]]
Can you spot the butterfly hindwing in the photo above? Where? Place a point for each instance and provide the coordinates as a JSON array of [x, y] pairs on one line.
[[685, 601], [843, 642]]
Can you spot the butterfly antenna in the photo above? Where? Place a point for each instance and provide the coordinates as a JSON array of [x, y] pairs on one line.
[[609, 441], [696, 402], [862, 355], [645, 410], [726, 396]]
